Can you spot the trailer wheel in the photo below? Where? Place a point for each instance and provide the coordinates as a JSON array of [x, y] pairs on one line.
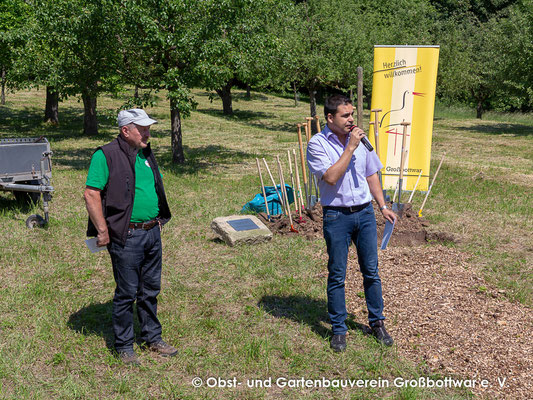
[[35, 220]]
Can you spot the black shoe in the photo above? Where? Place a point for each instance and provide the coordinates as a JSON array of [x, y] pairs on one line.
[[338, 343], [380, 333], [128, 357], [163, 348]]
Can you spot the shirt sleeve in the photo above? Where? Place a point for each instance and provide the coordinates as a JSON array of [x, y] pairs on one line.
[[373, 164], [98, 171], [317, 159]]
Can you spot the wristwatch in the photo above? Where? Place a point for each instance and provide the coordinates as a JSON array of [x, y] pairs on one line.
[[384, 207]]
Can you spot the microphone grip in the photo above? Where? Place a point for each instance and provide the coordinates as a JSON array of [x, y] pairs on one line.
[[367, 144], [364, 140]]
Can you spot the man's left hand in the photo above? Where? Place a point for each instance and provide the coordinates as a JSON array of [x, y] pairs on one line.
[[389, 215]]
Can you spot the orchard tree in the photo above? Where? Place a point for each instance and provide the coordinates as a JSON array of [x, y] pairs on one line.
[[178, 44], [159, 48], [239, 44], [13, 15], [483, 10], [329, 39], [307, 44], [38, 63], [515, 41], [400, 22], [75, 50], [486, 50], [470, 64]]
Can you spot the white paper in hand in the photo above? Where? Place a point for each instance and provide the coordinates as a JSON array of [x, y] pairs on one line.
[[91, 244]]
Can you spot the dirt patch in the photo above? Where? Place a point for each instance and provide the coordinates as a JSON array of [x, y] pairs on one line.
[[309, 225], [410, 230], [443, 314]]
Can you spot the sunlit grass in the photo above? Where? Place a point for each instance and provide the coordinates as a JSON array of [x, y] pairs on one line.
[[249, 312]]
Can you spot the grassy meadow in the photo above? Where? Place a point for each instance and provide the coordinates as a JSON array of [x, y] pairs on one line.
[[250, 312]]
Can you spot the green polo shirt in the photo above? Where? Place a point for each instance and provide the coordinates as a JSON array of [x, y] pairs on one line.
[[145, 203]]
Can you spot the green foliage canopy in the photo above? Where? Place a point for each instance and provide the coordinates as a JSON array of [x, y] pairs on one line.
[[13, 17]]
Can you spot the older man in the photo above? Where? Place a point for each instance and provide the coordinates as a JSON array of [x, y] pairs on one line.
[[127, 208], [347, 177]]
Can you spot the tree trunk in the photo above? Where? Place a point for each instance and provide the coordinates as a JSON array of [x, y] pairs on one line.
[[360, 97], [225, 95], [90, 123], [479, 109], [3, 96], [136, 93], [312, 106], [296, 94], [52, 106], [248, 92], [175, 133]]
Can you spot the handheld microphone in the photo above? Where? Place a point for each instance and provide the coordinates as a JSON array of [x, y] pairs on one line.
[[363, 140]]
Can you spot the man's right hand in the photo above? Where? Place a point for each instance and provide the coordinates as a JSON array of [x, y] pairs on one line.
[[93, 202], [102, 239], [356, 134]]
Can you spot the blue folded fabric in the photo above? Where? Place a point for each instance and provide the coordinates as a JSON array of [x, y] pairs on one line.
[[257, 204]]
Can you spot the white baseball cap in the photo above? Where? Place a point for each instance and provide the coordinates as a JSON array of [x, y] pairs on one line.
[[134, 116]]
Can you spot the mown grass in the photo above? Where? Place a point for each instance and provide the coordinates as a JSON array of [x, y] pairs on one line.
[[246, 312]]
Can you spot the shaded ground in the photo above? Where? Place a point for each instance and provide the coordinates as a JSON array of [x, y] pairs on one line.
[[440, 311]]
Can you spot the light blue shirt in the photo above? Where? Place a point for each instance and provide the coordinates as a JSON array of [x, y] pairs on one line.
[[323, 150]]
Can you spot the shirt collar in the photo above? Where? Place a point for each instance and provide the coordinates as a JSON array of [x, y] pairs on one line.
[[328, 133], [132, 151]]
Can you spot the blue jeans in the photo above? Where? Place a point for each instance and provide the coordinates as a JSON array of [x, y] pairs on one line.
[[137, 272], [340, 229]]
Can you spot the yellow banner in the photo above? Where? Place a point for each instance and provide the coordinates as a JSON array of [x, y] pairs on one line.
[[405, 79]]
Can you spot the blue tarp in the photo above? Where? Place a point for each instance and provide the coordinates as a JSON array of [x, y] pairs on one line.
[[274, 203]]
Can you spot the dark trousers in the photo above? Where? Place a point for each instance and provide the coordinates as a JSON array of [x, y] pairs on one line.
[[340, 229], [137, 272]]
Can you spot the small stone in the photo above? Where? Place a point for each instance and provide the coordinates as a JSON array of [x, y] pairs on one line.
[[255, 232]]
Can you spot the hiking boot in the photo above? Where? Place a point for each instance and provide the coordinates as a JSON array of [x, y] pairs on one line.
[[163, 348], [128, 357], [380, 333], [338, 343]]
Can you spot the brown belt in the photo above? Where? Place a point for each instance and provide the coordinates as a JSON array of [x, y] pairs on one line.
[[144, 225]]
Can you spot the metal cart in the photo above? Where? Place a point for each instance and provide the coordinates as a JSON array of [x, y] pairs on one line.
[[26, 170]]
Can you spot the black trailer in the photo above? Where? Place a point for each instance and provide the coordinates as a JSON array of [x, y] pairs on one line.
[[26, 170]]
